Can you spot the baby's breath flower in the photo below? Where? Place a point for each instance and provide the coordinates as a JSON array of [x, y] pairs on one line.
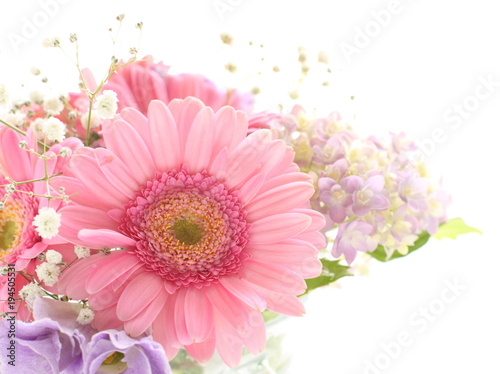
[[23, 144], [54, 129], [53, 257], [53, 105], [85, 316], [47, 222], [10, 188], [30, 292], [53, 41], [64, 152], [4, 96], [36, 97], [35, 71], [15, 119], [82, 252], [107, 104], [48, 273]]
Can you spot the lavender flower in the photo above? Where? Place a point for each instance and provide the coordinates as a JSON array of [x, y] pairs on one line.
[[56, 343]]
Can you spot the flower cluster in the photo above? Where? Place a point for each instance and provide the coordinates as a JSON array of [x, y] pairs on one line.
[[160, 213], [372, 190]]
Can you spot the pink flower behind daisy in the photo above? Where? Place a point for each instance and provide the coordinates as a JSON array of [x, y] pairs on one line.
[[138, 83], [214, 227]]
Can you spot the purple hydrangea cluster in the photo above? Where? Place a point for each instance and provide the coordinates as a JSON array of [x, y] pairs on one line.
[[371, 190]]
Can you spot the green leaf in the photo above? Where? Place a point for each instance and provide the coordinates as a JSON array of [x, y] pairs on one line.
[[380, 254], [332, 271], [454, 227]]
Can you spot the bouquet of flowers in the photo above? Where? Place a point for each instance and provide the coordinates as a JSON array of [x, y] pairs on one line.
[[153, 212]]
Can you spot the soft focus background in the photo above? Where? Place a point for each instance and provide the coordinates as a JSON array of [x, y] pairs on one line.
[[430, 69]]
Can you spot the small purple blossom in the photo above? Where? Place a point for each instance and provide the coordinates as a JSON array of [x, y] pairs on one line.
[[367, 195], [353, 237]]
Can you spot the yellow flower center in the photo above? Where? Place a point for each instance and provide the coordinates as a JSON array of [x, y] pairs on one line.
[[11, 227]]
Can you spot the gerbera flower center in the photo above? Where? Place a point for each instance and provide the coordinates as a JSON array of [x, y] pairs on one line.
[[11, 227], [188, 228], [187, 232]]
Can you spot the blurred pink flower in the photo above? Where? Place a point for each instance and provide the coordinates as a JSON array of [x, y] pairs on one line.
[[20, 243], [143, 81]]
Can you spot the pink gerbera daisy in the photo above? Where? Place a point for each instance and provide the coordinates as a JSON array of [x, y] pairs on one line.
[[212, 227], [20, 243]]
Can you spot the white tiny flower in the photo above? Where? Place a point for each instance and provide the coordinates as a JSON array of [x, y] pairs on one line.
[[53, 257], [23, 144], [82, 252], [10, 188], [64, 152], [53, 105], [15, 119], [48, 273], [107, 104], [30, 292], [85, 316], [47, 222], [4, 270], [35, 71], [54, 129], [37, 127], [4, 96], [53, 41], [95, 120], [36, 97]]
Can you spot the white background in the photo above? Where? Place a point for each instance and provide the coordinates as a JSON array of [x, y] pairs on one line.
[[424, 61]]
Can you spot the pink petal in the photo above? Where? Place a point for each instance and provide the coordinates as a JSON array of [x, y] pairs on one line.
[[199, 143], [116, 172], [248, 190], [104, 238], [220, 164], [203, 351], [164, 136], [164, 328], [225, 124], [278, 227], [116, 264], [140, 323], [199, 314], [283, 179], [139, 122], [246, 157], [230, 307], [189, 109], [136, 297], [272, 277], [125, 142], [242, 290], [106, 319], [227, 341], [180, 318], [279, 200], [91, 176]]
